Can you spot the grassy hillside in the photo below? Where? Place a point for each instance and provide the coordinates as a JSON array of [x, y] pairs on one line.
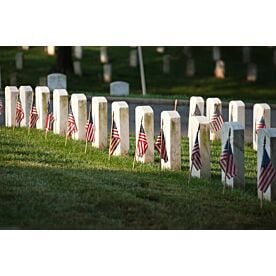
[[44, 185], [235, 86]]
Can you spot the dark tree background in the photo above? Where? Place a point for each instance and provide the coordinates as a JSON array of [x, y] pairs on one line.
[[64, 60]]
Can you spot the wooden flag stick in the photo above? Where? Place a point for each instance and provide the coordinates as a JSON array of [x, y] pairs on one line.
[[46, 132], [175, 105], [66, 138], [110, 140], [190, 174], [135, 153], [262, 200], [161, 146], [86, 129]]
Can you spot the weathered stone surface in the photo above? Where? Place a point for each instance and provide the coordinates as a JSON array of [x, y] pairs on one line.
[[237, 112], [60, 103], [26, 96], [121, 118], [119, 88], [196, 109], [237, 145], [172, 133], [11, 94], [99, 115], [145, 114], [42, 97], [57, 81]]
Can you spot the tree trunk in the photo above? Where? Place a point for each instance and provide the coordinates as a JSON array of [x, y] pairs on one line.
[[64, 61]]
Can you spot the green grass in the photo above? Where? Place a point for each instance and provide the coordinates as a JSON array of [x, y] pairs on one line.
[[176, 84], [45, 185]]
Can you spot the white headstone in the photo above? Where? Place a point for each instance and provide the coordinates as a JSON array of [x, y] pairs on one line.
[[216, 53], [57, 81], [107, 72], [26, 96], [42, 97], [166, 64], [103, 55], [133, 58], [211, 105], [77, 68], [99, 115], [246, 54], [237, 112], [145, 115], [270, 146], [13, 79], [121, 118], [60, 111], [261, 117], [19, 61], [51, 50], [11, 94], [42, 81], [190, 67], [77, 51], [220, 69], [170, 122], [187, 51], [201, 125], [119, 88], [237, 146], [160, 50], [79, 109], [196, 109], [252, 72], [25, 48]]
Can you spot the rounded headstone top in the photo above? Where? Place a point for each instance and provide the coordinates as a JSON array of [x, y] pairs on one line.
[[43, 89], [79, 96], [11, 89], [60, 92], [25, 88], [56, 81], [119, 88]]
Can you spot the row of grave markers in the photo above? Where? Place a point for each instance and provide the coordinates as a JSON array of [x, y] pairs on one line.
[[201, 131]]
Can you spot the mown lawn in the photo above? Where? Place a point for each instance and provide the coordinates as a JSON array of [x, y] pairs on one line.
[[38, 64], [44, 185]]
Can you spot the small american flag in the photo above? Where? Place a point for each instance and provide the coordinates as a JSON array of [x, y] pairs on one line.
[[196, 158], [260, 124], [90, 131], [267, 172], [115, 138], [50, 118], [216, 120], [19, 113], [71, 123], [160, 146], [33, 116], [142, 144], [1, 106], [226, 161]]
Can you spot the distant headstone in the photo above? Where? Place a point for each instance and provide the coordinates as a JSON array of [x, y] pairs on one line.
[[119, 88], [196, 109], [42, 81], [237, 112], [187, 50], [246, 54], [26, 97], [190, 67], [121, 119], [133, 58], [103, 55], [214, 107], [57, 81], [79, 109], [237, 146], [261, 119], [13, 79], [251, 72], [220, 69], [51, 50], [166, 64], [19, 61], [200, 125], [216, 53], [77, 51], [160, 49], [25, 48], [42, 97], [99, 115], [144, 115], [11, 94], [170, 123], [60, 111], [77, 68], [267, 141], [107, 72]]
